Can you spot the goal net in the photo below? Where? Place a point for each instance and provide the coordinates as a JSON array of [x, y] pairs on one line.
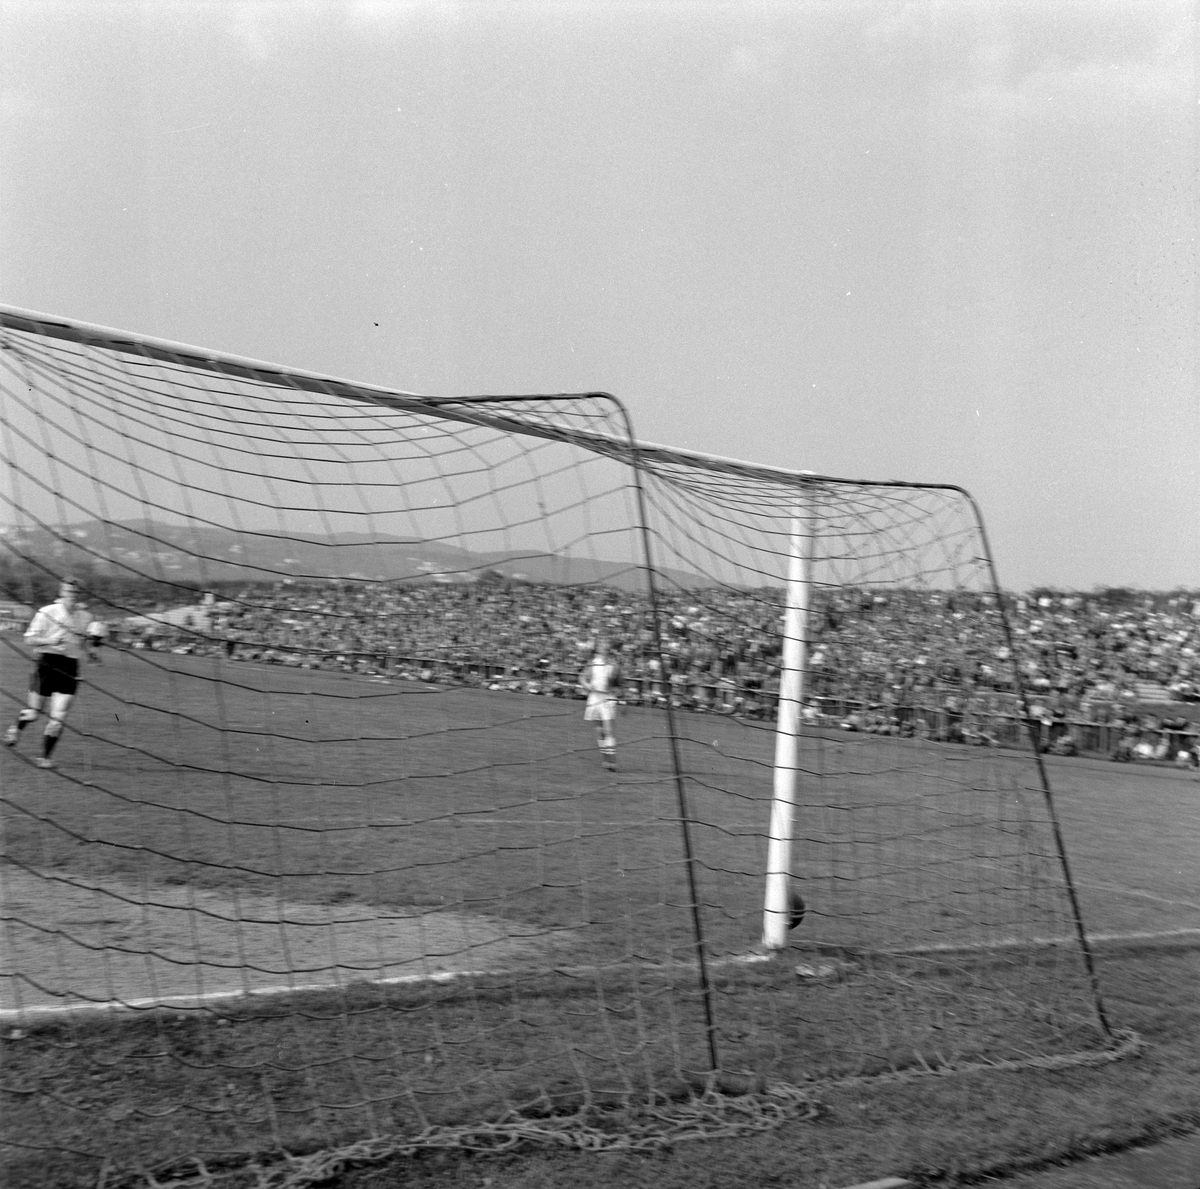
[[331, 856]]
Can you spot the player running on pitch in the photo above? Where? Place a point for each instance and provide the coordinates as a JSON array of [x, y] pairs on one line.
[[599, 679], [57, 635]]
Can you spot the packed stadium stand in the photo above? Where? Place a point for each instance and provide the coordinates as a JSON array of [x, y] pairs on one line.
[[1121, 679]]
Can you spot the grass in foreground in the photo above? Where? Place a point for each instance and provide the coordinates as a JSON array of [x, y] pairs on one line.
[[541, 842], [954, 1130]]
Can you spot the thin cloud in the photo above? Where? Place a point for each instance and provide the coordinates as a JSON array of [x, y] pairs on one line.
[[251, 29], [749, 64], [996, 55], [370, 15], [1100, 90]]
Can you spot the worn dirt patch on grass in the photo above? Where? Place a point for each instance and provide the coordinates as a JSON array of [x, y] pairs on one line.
[[68, 943]]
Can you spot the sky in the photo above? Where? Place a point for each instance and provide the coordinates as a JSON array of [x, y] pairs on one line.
[[945, 242]]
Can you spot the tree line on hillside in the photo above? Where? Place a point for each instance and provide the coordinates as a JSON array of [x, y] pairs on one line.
[[34, 583]]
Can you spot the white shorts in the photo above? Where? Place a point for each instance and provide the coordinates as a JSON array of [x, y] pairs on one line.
[[601, 710]]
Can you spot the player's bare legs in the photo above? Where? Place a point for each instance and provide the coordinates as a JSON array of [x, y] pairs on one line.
[[59, 705], [607, 743], [29, 713]]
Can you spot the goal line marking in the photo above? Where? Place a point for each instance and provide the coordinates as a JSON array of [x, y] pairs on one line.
[[1141, 894], [41, 1013], [1012, 943], [185, 1002]]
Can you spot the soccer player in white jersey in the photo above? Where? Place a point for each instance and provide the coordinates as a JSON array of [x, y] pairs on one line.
[[600, 679], [57, 635]]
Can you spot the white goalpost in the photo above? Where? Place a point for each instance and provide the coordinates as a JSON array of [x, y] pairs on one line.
[[778, 900]]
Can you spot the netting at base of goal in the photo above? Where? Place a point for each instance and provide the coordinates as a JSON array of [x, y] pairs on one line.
[[330, 853]]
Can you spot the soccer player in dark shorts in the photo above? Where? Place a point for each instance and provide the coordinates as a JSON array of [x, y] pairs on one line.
[[57, 635]]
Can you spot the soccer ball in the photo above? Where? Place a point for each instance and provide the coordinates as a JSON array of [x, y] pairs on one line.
[[798, 909]]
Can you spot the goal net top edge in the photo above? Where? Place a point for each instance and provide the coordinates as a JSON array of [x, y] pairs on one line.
[[472, 409]]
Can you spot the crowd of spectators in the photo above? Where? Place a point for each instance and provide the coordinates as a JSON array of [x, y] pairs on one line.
[[874, 655]]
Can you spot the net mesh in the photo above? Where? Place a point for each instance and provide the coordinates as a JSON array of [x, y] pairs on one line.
[[330, 856]]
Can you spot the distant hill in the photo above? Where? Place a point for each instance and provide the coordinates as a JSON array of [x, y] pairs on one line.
[[200, 555]]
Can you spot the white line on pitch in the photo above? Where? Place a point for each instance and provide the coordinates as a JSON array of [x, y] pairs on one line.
[[1009, 943], [1105, 887], [569, 818], [178, 1002], [1151, 935]]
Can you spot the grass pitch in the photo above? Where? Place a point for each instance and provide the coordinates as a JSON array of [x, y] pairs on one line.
[[356, 847]]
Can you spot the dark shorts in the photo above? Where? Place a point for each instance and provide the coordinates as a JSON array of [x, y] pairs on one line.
[[55, 674]]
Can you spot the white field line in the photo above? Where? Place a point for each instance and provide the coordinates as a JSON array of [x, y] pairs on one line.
[[13, 1015], [47, 1012], [1140, 893], [180, 1002], [348, 823], [1011, 943]]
